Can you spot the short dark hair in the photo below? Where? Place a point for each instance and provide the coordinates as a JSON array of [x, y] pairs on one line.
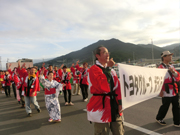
[[50, 65], [33, 67], [97, 51], [85, 63], [64, 66], [14, 68], [50, 72]]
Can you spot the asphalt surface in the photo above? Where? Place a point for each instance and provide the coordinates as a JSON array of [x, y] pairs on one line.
[[14, 120]]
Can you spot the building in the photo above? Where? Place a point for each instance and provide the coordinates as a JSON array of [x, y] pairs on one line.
[[28, 63]]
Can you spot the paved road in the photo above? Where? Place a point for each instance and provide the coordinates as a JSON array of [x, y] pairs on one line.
[[13, 120]]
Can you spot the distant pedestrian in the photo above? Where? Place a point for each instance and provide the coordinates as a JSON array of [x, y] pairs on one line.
[[1, 81], [66, 76], [13, 78], [7, 83], [76, 80], [83, 80]]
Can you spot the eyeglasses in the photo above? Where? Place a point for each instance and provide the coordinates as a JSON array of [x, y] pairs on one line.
[[105, 53]]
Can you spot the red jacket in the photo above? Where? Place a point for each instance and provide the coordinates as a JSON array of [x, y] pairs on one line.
[[2, 78], [99, 85], [76, 78], [7, 80], [84, 74], [168, 79], [14, 77], [22, 72], [11, 72], [20, 83], [58, 75], [33, 88], [66, 81]]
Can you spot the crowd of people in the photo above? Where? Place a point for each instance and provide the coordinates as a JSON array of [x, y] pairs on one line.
[[26, 82], [104, 108]]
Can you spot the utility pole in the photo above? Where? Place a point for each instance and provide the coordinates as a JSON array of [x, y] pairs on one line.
[[7, 63], [152, 51]]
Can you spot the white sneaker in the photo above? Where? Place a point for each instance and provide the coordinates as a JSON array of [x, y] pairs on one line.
[[177, 125], [85, 100], [78, 94], [71, 103]]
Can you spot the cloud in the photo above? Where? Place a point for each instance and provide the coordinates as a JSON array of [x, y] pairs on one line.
[[40, 26]]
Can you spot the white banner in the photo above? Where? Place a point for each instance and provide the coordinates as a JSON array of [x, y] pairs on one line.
[[139, 83]]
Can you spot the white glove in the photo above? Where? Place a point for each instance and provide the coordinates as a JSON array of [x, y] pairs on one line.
[[22, 93]]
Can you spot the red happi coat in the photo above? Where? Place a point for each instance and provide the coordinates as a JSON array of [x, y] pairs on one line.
[[85, 76], [14, 77], [11, 72], [168, 79], [98, 85], [75, 78], [9, 79], [68, 77], [20, 84], [2, 77], [34, 87], [22, 72], [58, 75]]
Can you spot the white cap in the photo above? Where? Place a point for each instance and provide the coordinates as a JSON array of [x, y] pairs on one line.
[[166, 53]]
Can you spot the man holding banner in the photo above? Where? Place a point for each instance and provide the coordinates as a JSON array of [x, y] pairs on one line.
[[105, 106], [169, 92]]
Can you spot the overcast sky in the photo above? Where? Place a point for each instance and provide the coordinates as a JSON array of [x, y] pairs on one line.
[[40, 29]]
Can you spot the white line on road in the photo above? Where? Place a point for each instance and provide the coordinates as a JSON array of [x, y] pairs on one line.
[[137, 128], [141, 129]]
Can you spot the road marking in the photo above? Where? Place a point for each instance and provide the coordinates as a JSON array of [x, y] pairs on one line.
[[137, 128], [85, 110], [141, 129]]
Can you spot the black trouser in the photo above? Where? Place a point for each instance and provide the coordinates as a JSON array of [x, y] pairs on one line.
[[14, 89], [7, 92], [65, 95], [165, 106], [22, 97], [84, 90]]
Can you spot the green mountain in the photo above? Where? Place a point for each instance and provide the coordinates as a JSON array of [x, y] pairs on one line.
[[120, 52]]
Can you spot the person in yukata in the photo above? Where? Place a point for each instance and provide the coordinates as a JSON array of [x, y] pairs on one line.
[[51, 90]]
